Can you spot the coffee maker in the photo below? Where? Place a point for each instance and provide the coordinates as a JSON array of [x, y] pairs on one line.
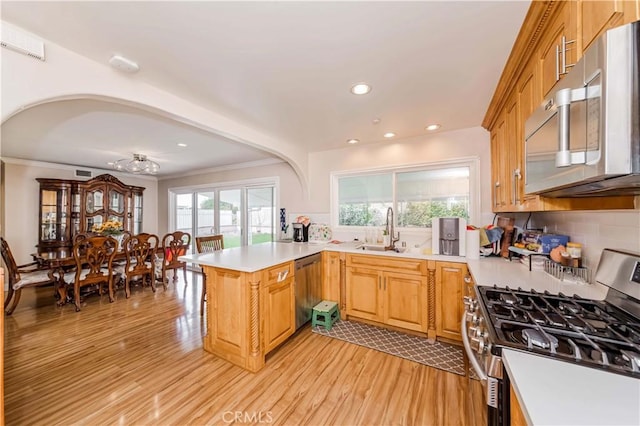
[[448, 235], [300, 233]]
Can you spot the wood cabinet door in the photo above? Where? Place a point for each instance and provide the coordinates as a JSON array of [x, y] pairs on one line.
[[597, 17], [331, 276], [498, 160], [278, 313], [450, 288], [227, 319], [364, 293], [513, 154], [405, 301], [529, 97], [562, 25]]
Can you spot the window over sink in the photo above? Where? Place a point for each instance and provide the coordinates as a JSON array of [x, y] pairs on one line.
[[416, 193]]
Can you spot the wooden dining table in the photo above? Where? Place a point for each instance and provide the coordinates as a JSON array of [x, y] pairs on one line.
[[60, 261]]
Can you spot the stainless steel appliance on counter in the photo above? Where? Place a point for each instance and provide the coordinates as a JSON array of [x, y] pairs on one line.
[[308, 286], [584, 140], [448, 236], [598, 334]]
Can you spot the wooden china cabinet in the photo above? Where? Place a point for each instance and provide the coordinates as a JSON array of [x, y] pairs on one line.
[[69, 207]]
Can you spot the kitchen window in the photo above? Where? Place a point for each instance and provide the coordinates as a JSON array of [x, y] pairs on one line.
[[417, 194]]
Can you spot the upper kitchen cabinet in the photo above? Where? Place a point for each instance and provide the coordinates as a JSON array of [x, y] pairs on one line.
[[601, 15], [550, 42], [558, 49]]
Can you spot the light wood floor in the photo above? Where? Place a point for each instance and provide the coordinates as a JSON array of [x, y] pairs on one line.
[[140, 361]]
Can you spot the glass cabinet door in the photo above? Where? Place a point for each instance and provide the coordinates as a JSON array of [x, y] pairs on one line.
[[94, 208], [116, 202], [137, 213], [55, 214]]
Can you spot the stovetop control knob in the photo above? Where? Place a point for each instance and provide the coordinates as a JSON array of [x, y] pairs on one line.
[[470, 303], [476, 320], [468, 316], [478, 345]]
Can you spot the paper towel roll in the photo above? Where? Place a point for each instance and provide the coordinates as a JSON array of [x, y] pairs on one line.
[[473, 244]]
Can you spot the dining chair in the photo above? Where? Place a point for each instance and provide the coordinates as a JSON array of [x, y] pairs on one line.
[[27, 275], [139, 251], [174, 245], [207, 244], [94, 264]]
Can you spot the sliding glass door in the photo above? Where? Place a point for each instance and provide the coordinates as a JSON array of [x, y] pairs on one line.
[[261, 213], [183, 215], [244, 215]]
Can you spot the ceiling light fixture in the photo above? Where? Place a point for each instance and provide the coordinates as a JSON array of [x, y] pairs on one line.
[[353, 141], [389, 135], [138, 165], [432, 127], [360, 89], [182, 145]]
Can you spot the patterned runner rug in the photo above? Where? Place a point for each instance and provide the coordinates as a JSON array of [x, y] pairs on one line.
[[438, 355]]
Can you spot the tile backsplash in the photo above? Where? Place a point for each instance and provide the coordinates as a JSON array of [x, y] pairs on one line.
[[595, 230]]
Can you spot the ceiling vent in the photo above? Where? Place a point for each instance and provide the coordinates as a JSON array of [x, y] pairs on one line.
[[84, 173], [21, 42]]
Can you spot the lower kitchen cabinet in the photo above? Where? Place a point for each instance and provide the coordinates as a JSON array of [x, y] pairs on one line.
[[364, 293], [391, 291], [517, 416], [450, 289], [405, 298], [331, 274], [249, 313], [279, 312]]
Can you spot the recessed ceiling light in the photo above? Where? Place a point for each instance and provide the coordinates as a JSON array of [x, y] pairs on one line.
[[360, 89], [432, 127], [376, 120], [182, 145], [389, 135], [353, 141]]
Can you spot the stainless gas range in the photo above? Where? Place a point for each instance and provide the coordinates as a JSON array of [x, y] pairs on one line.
[[603, 334]]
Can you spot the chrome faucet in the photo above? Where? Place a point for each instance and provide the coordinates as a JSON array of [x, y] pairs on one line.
[[390, 232]]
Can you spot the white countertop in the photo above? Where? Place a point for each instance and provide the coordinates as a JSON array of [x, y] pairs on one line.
[[259, 256], [553, 392], [502, 272]]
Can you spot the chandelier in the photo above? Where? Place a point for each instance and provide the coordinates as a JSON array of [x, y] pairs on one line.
[[139, 165]]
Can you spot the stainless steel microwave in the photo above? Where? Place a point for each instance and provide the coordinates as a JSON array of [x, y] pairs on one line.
[[584, 140]]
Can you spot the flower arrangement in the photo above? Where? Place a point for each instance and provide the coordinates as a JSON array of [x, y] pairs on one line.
[[303, 220], [110, 227]]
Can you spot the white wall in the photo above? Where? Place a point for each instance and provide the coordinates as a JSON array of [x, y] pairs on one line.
[[21, 200], [595, 230], [67, 75], [471, 142], [442, 146], [290, 195]]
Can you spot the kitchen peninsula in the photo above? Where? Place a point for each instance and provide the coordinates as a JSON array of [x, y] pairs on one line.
[[251, 295], [250, 299]]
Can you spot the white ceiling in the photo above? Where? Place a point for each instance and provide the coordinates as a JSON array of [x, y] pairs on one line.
[[283, 68]]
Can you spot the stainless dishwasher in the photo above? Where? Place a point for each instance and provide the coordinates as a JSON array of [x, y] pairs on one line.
[[308, 285]]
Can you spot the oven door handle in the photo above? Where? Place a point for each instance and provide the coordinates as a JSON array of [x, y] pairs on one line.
[[467, 347]]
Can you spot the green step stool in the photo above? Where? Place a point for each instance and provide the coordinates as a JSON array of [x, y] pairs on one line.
[[325, 313]]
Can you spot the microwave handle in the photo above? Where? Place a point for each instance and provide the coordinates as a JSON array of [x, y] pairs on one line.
[[564, 97]]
